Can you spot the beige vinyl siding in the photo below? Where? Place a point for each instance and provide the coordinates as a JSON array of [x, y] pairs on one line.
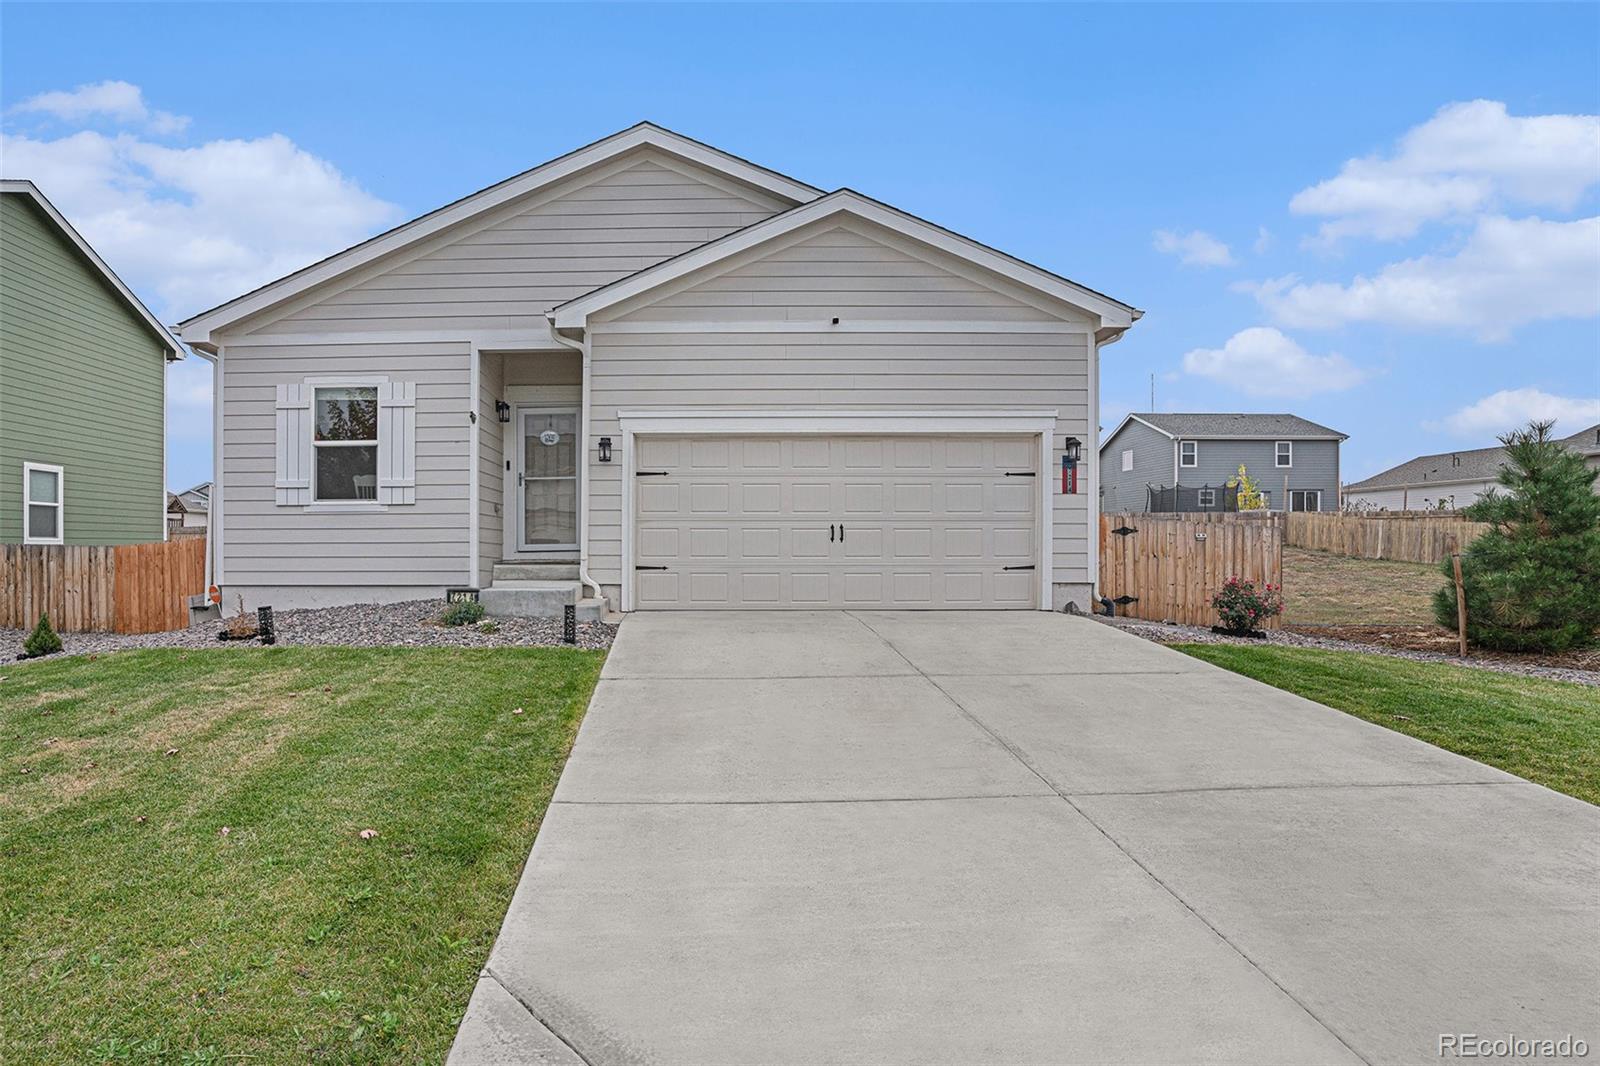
[[491, 466], [420, 544], [836, 366], [81, 387], [503, 270]]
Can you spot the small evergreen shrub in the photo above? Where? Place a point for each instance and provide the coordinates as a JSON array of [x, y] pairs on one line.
[[42, 641], [1532, 581], [1243, 609], [462, 613]]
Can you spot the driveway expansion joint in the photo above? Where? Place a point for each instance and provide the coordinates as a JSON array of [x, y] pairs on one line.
[[1067, 799], [525, 1005], [1333, 786]]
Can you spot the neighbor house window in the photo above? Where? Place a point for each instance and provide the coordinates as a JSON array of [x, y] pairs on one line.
[[41, 504], [1208, 497], [1188, 453], [1305, 500], [1285, 456], [345, 441], [1127, 458]]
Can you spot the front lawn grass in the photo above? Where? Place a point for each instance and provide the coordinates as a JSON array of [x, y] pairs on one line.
[[1546, 731], [133, 928]]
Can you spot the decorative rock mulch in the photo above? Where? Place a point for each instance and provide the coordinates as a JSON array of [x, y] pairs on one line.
[[1163, 633], [367, 625]]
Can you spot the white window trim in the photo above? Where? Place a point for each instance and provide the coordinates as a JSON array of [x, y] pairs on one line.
[[1037, 423], [335, 506], [1127, 460], [1278, 455], [60, 503], [1194, 454]]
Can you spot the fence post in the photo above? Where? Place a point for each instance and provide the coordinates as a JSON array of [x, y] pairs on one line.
[[1461, 597]]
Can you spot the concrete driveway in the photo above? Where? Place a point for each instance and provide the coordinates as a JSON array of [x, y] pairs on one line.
[[987, 838]]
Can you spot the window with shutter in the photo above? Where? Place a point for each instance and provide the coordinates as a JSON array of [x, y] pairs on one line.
[[397, 442], [292, 472]]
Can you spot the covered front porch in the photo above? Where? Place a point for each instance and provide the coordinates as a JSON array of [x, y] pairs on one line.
[[530, 472]]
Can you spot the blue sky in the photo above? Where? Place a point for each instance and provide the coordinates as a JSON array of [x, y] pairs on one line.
[[1380, 217]]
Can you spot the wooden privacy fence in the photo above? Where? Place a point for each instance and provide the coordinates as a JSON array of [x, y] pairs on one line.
[[1410, 538], [126, 588], [1166, 568]]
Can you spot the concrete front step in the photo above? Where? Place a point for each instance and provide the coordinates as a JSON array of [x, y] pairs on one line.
[[539, 599], [551, 571]]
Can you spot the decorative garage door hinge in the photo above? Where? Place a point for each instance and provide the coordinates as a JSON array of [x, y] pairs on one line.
[[649, 568], [1022, 473], [650, 473], [1030, 566]]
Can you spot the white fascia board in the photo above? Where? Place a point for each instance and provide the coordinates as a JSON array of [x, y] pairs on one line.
[[199, 328], [574, 314], [26, 188], [837, 421]]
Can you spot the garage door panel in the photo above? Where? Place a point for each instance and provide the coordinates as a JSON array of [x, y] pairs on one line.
[[811, 522]]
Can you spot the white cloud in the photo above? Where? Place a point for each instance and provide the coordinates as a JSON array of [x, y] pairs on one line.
[[1510, 272], [1261, 361], [1195, 248], [1264, 240], [1510, 408], [1467, 159], [189, 227], [115, 100]]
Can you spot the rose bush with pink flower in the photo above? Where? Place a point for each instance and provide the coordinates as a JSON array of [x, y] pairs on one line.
[[1242, 608]]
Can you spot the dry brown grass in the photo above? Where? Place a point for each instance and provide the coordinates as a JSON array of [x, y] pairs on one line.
[[1324, 589]]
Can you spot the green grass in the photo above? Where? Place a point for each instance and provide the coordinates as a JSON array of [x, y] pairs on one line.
[[1545, 731], [132, 929]]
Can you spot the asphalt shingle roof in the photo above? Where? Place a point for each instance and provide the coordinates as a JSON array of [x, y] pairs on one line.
[[1472, 464], [1287, 427]]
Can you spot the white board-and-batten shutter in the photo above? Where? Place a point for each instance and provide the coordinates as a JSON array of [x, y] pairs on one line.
[[292, 472], [397, 442]]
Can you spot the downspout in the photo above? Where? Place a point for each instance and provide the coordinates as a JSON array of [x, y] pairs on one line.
[[582, 348]]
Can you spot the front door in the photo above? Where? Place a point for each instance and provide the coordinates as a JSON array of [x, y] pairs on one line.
[[547, 478]]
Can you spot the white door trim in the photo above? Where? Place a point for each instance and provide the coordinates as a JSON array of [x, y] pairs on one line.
[[1035, 423], [520, 456]]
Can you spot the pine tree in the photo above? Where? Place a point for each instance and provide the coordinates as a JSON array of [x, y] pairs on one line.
[[1532, 580]]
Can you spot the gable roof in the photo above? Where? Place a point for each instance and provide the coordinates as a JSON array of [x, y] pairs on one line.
[[1470, 464], [1115, 315], [198, 328], [23, 187], [1241, 426]]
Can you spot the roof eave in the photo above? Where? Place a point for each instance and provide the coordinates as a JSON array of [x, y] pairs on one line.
[[198, 329]]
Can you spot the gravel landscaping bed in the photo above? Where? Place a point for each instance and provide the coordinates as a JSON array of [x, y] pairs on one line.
[[1163, 633], [366, 625]]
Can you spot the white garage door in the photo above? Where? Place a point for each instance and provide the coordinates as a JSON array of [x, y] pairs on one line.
[[817, 522]]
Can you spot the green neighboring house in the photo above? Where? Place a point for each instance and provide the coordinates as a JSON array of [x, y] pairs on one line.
[[82, 388]]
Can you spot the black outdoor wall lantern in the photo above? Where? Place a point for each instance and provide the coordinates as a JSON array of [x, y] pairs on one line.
[[1074, 448], [605, 449], [502, 410]]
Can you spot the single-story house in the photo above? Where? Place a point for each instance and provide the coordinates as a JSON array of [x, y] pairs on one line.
[[653, 374], [1294, 461], [1449, 481], [83, 371], [188, 511]]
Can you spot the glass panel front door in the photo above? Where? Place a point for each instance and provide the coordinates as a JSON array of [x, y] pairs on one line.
[[549, 478]]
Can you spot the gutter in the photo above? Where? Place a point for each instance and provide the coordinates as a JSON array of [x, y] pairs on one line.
[[582, 348]]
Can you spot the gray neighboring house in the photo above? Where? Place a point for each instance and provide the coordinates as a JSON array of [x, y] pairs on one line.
[[652, 375], [188, 511], [1294, 461], [1450, 481]]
